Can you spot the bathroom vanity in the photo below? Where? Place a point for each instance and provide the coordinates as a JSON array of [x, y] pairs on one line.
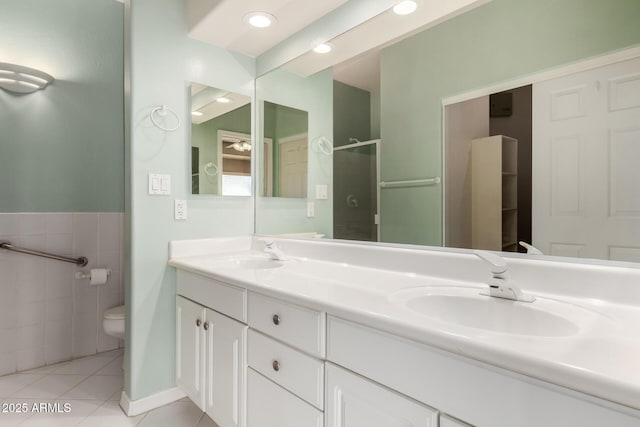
[[351, 335]]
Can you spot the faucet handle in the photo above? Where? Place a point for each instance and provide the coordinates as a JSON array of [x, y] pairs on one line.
[[531, 250], [497, 264], [269, 243]]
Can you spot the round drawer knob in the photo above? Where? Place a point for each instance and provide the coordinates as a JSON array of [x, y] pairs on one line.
[[198, 322], [206, 326], [276, 365], [276, 319]]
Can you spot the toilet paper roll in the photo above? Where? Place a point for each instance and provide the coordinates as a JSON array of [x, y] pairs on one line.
[[98, 276]]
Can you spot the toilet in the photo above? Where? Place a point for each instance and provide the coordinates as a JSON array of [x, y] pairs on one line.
[[113, 322]]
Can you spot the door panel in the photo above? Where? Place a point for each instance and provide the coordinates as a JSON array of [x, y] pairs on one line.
[[586, 145], [353, 401], [190, 349]]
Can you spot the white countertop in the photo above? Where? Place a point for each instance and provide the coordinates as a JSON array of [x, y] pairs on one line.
[[601, 359]]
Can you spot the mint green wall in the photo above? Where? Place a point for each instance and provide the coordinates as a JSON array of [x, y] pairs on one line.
[[163, 60], [314, 95], [62, 148], [499, 41], [351, 114], [205, 137]]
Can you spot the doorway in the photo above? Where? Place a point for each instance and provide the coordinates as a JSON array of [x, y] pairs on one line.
[[356, 177], [507, 113]]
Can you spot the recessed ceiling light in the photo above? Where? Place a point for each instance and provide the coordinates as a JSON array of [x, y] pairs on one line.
[[259, 19], [223, 100], [323, 48], [196, 113], [405, 7]]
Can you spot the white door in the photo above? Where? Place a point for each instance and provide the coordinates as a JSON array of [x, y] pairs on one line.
[[293, 166], [190, 349], [586, 157], [353, 401], [226, 370]]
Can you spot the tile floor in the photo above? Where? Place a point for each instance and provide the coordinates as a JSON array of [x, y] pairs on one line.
[[86, 393]]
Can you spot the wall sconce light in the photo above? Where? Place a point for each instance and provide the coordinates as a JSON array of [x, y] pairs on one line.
[[19, 79]]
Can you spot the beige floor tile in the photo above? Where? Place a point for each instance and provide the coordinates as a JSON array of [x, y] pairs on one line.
[[177, 414], [9, 384], [96, 387], [49, 387], [67, 413], [84, 366], [110, 415]]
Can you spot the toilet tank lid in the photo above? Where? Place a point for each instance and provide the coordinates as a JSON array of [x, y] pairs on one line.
[[115, 313]]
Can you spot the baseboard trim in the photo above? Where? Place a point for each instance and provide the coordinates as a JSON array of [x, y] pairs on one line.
[[137, 407]]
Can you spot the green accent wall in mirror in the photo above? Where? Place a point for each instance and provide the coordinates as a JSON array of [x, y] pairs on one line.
[[221, 143]]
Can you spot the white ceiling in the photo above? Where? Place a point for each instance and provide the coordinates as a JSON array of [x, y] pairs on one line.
[[220, 22], [356, 53], [203, 99]]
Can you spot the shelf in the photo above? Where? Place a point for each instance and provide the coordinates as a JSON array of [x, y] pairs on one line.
[[236, 157], [494, 193]]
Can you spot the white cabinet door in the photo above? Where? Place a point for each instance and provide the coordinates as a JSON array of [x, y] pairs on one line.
[[190, 349], [353, 401], [446, 421], [269, 405], [226, 361]]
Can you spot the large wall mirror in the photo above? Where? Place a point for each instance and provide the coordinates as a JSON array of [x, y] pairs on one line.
[[444, 138], [220, 142]]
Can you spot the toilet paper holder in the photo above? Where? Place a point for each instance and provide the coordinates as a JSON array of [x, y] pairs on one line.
[[80, 275]]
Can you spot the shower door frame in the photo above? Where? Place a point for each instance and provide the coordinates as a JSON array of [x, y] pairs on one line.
[[375, 142]]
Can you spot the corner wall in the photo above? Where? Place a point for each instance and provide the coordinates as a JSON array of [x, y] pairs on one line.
[[163, 60], [61, 179]]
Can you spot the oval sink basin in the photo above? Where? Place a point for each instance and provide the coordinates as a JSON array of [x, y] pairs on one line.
[[466, 307], [249, 263]]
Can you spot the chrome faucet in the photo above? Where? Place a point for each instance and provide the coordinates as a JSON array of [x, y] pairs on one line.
[[274, 251], [499, 285]]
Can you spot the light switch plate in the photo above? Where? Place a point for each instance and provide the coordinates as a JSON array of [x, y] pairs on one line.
[[311, 209], [322, 191], [159, 184], [180, 211]]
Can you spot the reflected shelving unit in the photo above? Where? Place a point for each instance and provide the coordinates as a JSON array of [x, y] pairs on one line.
[[494, 193]]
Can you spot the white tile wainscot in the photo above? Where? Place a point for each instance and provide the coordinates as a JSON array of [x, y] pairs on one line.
[[46, 315], [364, 359]]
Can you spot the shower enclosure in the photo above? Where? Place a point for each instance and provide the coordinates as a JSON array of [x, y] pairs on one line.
[[356, 195]]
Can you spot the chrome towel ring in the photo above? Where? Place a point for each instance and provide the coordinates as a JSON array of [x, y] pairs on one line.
[[162, 111]]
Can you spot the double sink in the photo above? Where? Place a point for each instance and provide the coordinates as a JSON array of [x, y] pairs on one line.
[[464, 306]]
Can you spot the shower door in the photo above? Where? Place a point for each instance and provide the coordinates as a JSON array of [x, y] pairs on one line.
[[356, 191]]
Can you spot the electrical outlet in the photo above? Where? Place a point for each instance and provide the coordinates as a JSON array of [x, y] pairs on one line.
[[180, 209], [311, 209], [322, 192]]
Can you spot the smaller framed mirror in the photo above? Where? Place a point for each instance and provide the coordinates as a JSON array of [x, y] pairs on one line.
[[221, 142], [286, 132]]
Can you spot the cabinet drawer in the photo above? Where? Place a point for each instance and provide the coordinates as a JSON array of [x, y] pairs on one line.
[[269, 405], [226, 299], [298, 326], [297, 372]]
